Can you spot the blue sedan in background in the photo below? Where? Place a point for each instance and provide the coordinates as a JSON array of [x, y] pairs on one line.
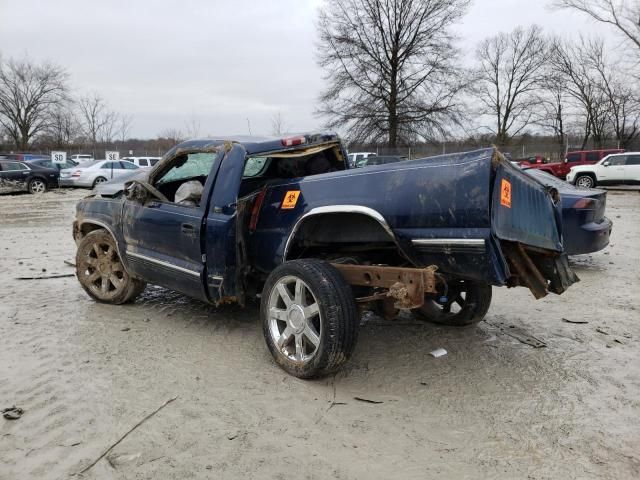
[[584, 226]]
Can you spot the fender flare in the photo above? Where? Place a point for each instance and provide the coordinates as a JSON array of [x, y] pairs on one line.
[[357, 209], [106, 227]]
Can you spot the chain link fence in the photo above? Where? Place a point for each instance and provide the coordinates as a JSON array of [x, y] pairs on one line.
[[553, 152]]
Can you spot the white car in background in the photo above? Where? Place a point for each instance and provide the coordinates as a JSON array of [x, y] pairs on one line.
[[81, 157], [90, 174], [143, 162], [614, 169]]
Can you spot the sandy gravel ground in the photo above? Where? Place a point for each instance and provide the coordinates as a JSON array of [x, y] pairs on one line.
[[494, 407]]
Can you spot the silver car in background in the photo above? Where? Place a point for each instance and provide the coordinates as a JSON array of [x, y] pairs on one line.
[[90, 174]]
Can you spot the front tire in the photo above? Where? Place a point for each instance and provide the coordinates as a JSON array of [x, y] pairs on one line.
[[309, 318], [101, 273], [465, 303], [37, 185], [585, 181]]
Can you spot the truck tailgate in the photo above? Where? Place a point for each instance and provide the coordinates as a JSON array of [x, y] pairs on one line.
[[527, 220], [522, 211]]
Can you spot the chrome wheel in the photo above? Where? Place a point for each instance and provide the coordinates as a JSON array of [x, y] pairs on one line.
[[294, 320], [37, 186], [584, 182], [100, 270]]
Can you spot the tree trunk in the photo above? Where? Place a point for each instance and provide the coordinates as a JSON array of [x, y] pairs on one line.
[[393, 105]]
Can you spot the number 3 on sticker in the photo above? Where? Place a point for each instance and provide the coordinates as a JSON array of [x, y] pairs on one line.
[[505, 193], [290, 199]]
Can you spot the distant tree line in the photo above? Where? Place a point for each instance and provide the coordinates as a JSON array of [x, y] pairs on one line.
[[38, 112], [394, 77]]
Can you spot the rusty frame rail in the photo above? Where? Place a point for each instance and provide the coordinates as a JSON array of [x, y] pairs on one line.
[[406, 286]]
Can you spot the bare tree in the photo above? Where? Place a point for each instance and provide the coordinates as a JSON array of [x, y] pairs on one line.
[[170, 137], [277, 124], [29, 94], [192, 127], [624, 15], [622, 97], [62, 128], [390, 67], [576, 65], [553, 107], [98, 122], [124, 127], [509, 75]]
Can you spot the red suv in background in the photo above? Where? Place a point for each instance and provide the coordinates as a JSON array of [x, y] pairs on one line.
[[573, 159]]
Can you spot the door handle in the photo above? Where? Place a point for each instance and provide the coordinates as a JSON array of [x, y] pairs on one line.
[[188, 229]]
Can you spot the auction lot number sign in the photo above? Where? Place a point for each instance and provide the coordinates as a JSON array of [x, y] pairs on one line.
[[113, 156], [58, 157]]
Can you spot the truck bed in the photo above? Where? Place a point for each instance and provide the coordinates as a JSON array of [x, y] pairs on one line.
[[473, 215]]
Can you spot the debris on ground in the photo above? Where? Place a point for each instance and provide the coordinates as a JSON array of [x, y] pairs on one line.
[[519, 334], [366, 400], [115, 460], [574, 321], [602, 331], [438, 352], [47, 277], [113, 445], [12, 413]]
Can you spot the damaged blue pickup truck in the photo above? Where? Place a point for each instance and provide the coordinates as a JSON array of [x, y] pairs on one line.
[[286, 221]]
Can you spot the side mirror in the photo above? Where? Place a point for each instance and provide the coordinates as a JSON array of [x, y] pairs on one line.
[[606, 163], [135, 192]]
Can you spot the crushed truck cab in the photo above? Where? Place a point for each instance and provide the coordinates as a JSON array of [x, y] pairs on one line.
[[286, 221]]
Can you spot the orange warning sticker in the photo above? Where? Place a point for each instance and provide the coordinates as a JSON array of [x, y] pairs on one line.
[[290, 199], [505, 193]]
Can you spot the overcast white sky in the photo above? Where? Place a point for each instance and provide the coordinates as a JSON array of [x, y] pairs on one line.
[[219, 61]]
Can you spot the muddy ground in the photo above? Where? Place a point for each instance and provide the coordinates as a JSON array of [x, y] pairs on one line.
[[493, 407]]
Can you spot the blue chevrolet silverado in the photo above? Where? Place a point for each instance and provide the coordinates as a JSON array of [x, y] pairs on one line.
[[285, 221]]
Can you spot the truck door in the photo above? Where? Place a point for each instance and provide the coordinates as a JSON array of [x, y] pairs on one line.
[[163, 236], [221, 242]]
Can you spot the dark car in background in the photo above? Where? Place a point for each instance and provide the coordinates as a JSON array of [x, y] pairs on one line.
[[47, 163], [22, 176], [585, 228]]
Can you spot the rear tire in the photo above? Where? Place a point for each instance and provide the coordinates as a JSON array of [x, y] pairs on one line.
[[309, 318], [585, 181], [467, 302], [99, 180], [37, 185], [101, 273]]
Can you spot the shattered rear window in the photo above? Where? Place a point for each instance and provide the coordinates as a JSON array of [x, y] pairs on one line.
[[254, 166]]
